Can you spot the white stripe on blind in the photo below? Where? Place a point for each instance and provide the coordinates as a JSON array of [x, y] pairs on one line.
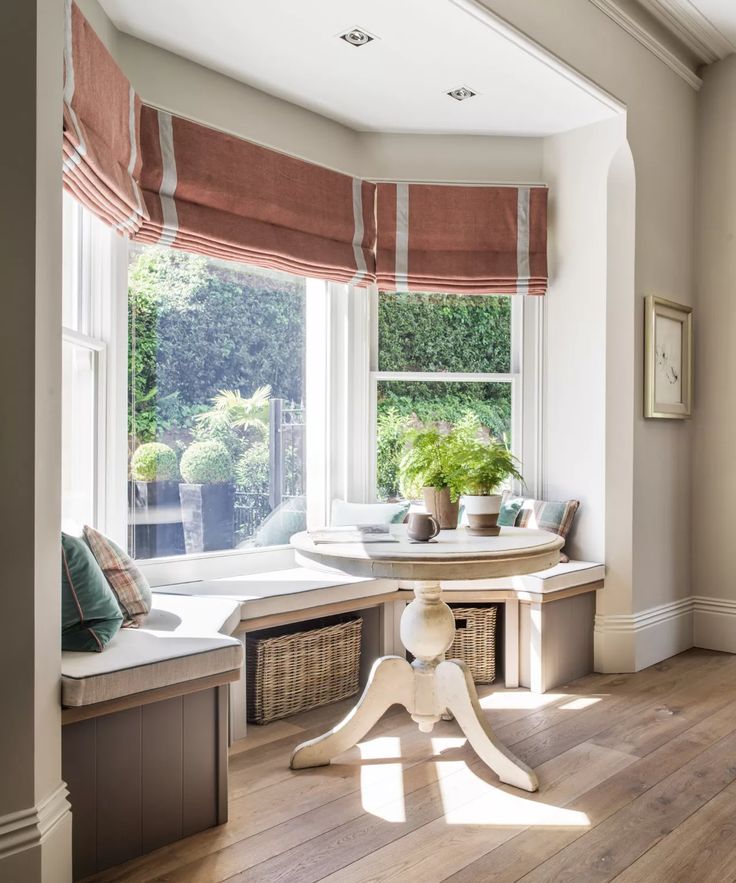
[[132, 221], [360, 265], [522, 241], [402, 236], [81, 148], [168, 179]]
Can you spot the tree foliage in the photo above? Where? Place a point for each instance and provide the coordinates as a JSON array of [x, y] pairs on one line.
[[198, 326]]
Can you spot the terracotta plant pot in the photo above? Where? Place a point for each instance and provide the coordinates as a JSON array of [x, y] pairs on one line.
[[438, 503], [482, 511]]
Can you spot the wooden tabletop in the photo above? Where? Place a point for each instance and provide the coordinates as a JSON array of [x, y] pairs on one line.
[[454, 554]]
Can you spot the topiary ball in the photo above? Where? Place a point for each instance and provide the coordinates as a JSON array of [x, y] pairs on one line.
[[206, 462], [154, 461]]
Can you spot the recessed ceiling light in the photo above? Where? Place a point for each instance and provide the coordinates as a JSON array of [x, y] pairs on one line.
[[357, 37], [461, 93]]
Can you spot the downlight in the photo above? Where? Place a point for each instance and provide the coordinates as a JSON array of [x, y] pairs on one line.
[[357, 37], [461, 93]]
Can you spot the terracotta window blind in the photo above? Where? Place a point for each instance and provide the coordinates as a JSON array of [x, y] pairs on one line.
[[210, 192], [473, 240], [102, 159], [164, 179]]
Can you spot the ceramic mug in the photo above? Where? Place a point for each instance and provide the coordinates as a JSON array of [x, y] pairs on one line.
[[422, 527]]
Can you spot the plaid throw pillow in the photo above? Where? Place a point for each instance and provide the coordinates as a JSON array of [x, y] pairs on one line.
[[556, 517], [127, 582]]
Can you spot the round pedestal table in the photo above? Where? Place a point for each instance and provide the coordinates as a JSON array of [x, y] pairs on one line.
[[431, 687]]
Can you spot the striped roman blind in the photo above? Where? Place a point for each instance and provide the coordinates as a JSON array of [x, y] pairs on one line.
[[210, 192], [102, 159], [465, 239], [163, 179]]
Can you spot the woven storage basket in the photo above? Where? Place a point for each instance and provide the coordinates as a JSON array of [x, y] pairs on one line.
[[288, 671], [475, 641]]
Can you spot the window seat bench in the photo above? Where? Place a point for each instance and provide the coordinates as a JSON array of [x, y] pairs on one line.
[[145, 731], [547, 616]]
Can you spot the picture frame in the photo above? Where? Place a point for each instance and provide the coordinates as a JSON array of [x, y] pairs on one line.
[[668, 359]]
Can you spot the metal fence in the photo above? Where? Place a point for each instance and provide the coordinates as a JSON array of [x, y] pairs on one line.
[[286, 443]]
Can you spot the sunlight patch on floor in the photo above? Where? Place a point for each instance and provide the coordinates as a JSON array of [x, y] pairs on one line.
[[491, 806], [382, 784], [445, 743], [580, 703], [519, 700]]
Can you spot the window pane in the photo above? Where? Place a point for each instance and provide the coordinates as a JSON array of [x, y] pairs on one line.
[[402, 404], [444, 332], [78, 454], [216, 361]]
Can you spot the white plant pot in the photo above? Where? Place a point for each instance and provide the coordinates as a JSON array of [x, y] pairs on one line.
[[482, 511]]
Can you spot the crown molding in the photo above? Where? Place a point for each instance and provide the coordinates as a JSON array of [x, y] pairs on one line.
[[615, 10], [687, 23]]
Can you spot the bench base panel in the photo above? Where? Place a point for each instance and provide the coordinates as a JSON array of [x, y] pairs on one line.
[[145, 776]]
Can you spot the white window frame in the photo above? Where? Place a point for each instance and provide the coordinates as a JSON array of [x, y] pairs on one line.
[[96, 266]]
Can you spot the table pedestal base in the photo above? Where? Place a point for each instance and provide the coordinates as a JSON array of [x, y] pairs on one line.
[[431, 688]]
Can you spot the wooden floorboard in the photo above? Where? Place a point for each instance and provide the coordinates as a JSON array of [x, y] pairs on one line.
[[637, 783]]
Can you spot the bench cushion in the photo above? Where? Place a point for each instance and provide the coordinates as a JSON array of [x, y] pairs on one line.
[[562, 576], [283, 591], [182, 639]]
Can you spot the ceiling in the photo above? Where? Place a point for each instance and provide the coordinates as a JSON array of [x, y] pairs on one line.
[[396, 83]]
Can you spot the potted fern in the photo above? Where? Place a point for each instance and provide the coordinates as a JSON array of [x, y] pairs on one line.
[[479, 465], [427, 468]]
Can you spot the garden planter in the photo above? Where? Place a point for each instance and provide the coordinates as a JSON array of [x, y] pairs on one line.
[[156, 518], [208, 516], [482, 511], [438, 503]]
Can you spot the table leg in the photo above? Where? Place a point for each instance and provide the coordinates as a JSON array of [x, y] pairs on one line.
[[430, 688], [456, 688], [390, 681]]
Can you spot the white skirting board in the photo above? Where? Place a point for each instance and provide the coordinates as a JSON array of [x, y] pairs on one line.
[[35, 843], [714, 623], [630, 642]]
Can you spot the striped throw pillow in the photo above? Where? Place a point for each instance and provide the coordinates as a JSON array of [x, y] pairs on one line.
[[131, 588]]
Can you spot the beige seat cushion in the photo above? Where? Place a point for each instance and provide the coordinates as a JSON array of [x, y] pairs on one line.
[[561, 576], [283, 591], [182, 639]]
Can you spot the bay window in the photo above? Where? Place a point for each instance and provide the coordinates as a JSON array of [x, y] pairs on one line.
[[212, 408]]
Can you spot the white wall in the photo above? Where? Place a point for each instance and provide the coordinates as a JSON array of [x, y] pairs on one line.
[[576, 167], [714, 474]]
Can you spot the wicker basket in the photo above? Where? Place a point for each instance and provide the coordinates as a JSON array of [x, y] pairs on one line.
[[289, 671], [475, 641]]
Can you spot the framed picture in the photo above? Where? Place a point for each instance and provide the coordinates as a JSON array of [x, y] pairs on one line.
[[668, 359]]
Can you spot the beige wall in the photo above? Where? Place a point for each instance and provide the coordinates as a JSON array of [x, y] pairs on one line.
[[714, 474], [31, 35]]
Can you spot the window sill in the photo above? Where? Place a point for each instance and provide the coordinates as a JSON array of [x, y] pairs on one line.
[[174, 569]]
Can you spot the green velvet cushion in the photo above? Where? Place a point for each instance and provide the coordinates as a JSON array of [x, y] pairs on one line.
[[90, 614], [510, 506]]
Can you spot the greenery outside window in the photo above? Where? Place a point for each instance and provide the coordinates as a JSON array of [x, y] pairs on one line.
[[216, 413], [439, 357]]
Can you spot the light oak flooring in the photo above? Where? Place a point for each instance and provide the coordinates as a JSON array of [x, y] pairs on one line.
[[638, 784]]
